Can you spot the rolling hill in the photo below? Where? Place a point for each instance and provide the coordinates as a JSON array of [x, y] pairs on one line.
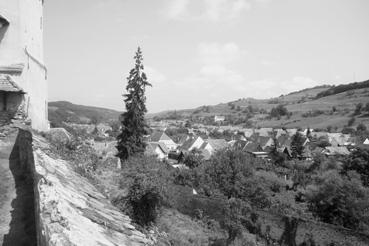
[[63, 111], [318, 107]]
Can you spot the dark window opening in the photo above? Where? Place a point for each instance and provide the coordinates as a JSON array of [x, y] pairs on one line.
[[3, 22]]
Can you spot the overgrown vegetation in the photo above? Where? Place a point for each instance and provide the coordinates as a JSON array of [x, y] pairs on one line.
[[342, 88]]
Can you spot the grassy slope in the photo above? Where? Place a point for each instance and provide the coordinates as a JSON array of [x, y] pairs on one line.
[[298, 103], [66, 111]]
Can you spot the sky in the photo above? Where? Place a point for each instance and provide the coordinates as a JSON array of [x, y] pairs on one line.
[[202, 52]]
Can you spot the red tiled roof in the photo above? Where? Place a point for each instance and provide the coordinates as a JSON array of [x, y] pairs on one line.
[[7, 84], [157, 136], [217, 144]]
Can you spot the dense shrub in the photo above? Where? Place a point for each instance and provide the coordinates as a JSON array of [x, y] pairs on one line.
[[297, 144], [358, 161], [278, 111], [348, 130], [342, 88], [231, 172], [351, 121], [193, 159], [361, 128], [340, 200], [314, 113], [144, 199], [358, 109]]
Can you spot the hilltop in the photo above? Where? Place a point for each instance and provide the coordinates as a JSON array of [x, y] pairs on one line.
[[62, 111], [318, 107]]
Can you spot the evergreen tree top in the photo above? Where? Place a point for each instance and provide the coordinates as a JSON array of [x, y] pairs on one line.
[[130, 140]]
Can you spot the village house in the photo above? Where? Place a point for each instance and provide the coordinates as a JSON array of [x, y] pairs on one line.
[[157, 149], [291, 131], [262, 140], [23, 87], [103, 129], [366, 142], [192, 143], [219, 119], [248, 132], [264, 132], [213, 145], [339, 139], [336, 151], [162, 137]]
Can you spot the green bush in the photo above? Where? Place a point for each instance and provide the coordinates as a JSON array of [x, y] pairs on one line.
[[340, 200], [145, 199]]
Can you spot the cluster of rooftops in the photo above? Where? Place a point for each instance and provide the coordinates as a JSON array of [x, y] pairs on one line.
[[257, 142]]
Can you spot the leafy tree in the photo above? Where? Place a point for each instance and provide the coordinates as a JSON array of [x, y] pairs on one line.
[[323, 142], [144, 199], [361, 128], [351, 121], [297, 144], [193, 159], [348, 130], [358, 161], [340, 200], [366, 107], [279, 111], [231, 173], [329, 128], [130, 140], [358, 108], [277, 157]]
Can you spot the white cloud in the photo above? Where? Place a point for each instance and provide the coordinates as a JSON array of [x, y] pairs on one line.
[[177, 8], [216, 70], [154, 76], [207, 10], [216, 10], [267, 88], [215, 53]]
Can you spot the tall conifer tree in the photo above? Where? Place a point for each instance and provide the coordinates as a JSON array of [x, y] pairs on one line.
[[130, 140]]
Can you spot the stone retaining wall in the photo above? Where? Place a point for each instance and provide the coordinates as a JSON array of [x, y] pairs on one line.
[[68, 209]]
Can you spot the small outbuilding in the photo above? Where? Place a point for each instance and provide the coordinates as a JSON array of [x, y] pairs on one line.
[[11, 99]]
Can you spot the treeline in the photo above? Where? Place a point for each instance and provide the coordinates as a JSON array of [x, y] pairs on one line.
[[237, 186], [342, 88]]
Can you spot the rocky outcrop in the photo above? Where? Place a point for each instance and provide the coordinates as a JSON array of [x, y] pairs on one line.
[[69, 210]]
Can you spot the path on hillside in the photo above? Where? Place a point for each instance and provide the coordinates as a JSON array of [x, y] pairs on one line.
[[17, 220]]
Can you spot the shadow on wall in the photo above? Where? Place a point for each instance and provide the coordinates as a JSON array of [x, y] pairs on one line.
[[3, 30], [22, 226]]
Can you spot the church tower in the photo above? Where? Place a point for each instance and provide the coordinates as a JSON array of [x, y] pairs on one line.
[[23, 74]]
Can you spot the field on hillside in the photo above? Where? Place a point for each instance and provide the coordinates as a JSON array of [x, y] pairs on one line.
[[68, 112], [305, 109]]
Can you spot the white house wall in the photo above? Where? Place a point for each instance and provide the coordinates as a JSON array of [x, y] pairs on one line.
[[169, 144], [23, 44], [197, 144], [159, 153]]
